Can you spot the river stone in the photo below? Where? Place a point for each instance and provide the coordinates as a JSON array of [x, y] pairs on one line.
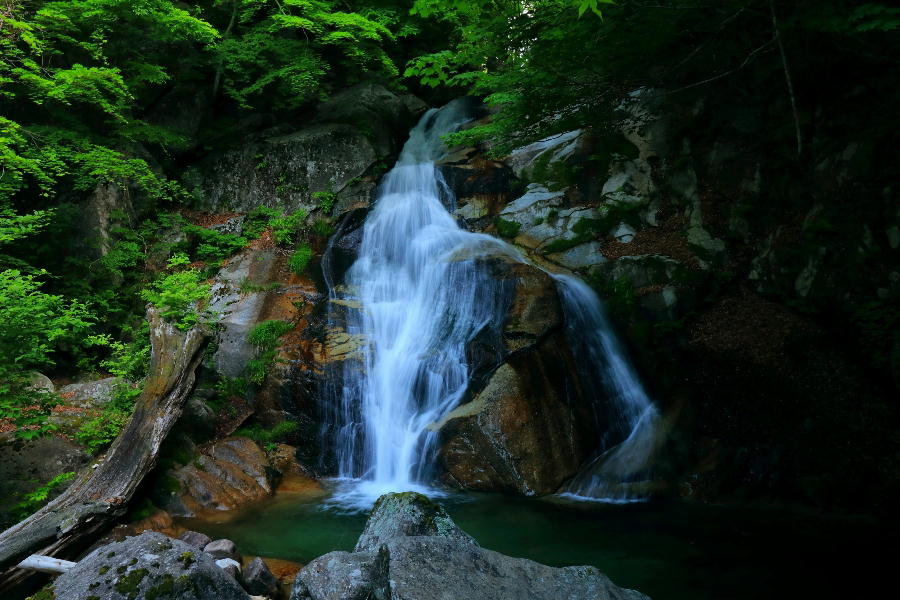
[[230, 566], [231, 473], [147, 566], [405, 514], [195, 539], [259, 580], [342, 576], [223, 549]]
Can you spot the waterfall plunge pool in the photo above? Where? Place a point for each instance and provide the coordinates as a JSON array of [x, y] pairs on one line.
[[668, 550]]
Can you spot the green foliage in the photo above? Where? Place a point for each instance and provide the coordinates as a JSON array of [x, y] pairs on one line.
[[286, 227], [36, 499], [211, 245], [326, 201], [179, 297], [265, 337], [300, 258], [280, 51], [322, 227], [267, 437], [507, 229], [248, 287], [33, 325], [100, 431]]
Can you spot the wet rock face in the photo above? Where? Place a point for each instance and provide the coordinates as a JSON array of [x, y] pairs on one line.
[[418, 560], [148, 566], [528, 425], [527, 430], [231, 473]]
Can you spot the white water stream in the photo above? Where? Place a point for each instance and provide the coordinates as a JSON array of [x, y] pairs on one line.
[[417, 296]]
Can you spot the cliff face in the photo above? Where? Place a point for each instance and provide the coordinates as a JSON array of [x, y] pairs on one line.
[[759, 296]]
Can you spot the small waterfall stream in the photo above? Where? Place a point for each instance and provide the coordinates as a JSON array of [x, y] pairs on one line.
[[417, 295], [634, 420]]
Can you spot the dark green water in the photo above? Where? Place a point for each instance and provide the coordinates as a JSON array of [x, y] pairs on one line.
[[666, 550]]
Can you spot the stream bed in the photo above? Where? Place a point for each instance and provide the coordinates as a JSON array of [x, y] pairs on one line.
[[668, 550]]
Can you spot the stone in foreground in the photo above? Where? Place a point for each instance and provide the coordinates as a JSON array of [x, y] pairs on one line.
[[412, 550], [147, 567], [407, 514], [259, 580]]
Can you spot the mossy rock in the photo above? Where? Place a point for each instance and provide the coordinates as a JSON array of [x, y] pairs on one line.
[[407, 514]]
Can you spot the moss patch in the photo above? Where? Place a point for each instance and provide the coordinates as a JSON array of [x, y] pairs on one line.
[[128, 585]]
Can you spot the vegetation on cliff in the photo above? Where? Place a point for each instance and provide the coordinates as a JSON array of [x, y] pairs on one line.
[[107, 103]]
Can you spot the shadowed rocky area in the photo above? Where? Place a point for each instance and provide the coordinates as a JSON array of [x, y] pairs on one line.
[[411, 550]]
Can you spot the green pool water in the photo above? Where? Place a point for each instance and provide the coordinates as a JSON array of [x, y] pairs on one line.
[[666, 550]]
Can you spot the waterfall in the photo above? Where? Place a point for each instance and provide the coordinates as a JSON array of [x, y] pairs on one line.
[[421, 301], [413, 300], [633, 418]]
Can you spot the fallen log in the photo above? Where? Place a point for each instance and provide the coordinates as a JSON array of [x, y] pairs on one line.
[[46, 564], [89, 506]]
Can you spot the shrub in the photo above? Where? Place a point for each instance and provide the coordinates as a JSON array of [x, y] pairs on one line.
[[177, 296], [322, 227], [267, 437], [326, 201], [507, 229], [286, 227], [265, 337], [36, 499], [99, 432], [300, 259]]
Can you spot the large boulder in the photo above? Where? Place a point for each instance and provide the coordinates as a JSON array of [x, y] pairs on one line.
[[354, 131], [416, 559], [147, 567], [527, 430], [407, 514], [527, 425], [283, 170], [383, 116], [549, 159]]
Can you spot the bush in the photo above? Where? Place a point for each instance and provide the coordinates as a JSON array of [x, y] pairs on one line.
[[286, 227], [268, 437], [326, 201], [36, 499], [102, 430], [507, 229], [177, 296], [265, 337], [300, 259]]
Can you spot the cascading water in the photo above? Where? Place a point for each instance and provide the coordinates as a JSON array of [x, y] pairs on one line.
[[634, 419], [417, 294], [421, 301]]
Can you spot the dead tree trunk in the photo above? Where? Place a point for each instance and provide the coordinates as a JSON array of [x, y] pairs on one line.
[[90, 505]]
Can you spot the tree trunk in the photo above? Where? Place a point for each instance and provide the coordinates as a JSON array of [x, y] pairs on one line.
[[89, 506]]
